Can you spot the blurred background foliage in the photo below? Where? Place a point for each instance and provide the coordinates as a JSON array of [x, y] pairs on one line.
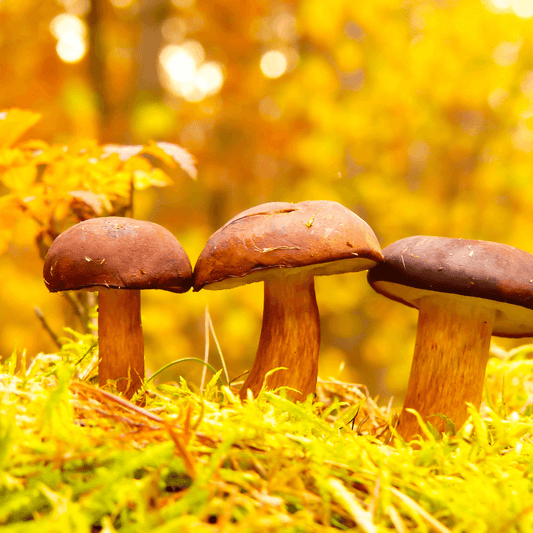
[[415, 114]]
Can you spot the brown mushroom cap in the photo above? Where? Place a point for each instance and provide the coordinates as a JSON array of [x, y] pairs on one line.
[[497, 276], [321, 236], [118, 253]]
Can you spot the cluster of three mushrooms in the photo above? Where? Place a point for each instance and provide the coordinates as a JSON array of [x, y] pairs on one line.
[[465, 291]]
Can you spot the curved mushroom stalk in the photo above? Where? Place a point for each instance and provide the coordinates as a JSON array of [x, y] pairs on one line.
[[290, 338], [285, 245], [449, 362], [120, 339]]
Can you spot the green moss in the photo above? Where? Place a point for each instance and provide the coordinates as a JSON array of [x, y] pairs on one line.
[[74, 458]]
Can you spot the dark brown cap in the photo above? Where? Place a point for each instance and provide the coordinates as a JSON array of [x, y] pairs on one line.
[[321, 236], [118, 253], [497, 276]]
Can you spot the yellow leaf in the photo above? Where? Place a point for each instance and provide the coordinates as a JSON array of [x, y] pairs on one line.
[[50, 154], [14, 123], [112, 185], [34, 145], [9, 214], [61, 209], [137, 163], [11, 156], [36, 207], [154, 178], [19, 179], [124, 151], [96, 202], [170, 154]]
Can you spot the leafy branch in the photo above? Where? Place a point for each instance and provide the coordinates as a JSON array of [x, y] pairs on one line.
[[56, 186]]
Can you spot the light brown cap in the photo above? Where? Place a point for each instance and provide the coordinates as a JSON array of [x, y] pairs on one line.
[[118, 253], [277, 238], [496, 276]]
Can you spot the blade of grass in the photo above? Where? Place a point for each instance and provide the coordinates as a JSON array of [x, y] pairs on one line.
[[206, 348], [433, 522], [396, 519], [46, 326], [119, 400], [343, 496], [222, 360], [185, 359]]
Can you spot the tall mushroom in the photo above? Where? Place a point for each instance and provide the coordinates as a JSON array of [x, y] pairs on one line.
[[119, 257], [286, 245], [466, 291]]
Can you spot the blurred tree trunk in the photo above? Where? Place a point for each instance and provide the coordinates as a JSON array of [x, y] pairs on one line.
[[113, 63], [96, 61], [152, 14]]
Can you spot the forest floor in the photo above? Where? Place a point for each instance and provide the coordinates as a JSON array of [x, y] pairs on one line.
[[76, 458]]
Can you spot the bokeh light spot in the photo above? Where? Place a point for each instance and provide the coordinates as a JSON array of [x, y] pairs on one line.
[[269, 109], [210, 77], [71, 48], [273, 64], [67, 23], [184, 73], [70, 32], [497, 97], [521, 8], [506, 53], [178, 63]]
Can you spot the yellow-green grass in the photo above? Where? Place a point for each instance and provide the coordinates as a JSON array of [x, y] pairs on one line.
[[75, 458]]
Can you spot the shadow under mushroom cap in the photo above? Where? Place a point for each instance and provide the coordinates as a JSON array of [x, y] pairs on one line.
[[498, 276]]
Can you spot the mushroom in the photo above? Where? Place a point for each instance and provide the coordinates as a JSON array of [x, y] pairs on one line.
[[465, 291], [286, 245], [118, 257]]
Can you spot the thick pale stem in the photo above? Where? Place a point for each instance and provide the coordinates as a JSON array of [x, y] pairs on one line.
[[120, 339], [290, 338], [449, 362]]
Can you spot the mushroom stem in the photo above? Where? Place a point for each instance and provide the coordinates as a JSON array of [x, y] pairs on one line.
[[290, 338], [120, 339], [449, 362]]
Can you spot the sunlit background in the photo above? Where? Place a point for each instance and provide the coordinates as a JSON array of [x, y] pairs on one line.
[[417, 115]]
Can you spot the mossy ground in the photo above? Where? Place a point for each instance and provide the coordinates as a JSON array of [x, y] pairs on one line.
[[74, 458]]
